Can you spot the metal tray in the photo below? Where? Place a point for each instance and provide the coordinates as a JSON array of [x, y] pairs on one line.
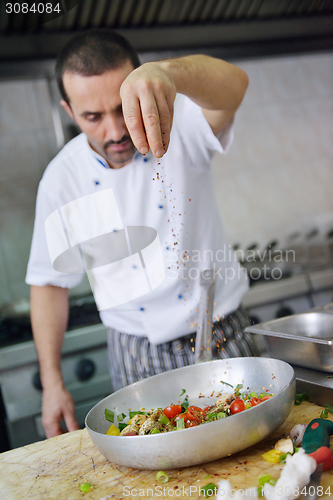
[[301, 339]]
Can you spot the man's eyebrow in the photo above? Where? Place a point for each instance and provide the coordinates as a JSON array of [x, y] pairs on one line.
[[87, 113]]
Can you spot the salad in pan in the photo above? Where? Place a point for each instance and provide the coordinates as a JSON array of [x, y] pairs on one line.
[[183, 415]]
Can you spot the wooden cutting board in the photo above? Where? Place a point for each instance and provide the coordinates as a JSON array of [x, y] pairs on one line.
[[55, 469]]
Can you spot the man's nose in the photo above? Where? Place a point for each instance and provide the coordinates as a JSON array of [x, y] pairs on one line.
[[115, 128]]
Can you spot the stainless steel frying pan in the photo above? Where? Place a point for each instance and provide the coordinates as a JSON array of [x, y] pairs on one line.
[[183, 448]]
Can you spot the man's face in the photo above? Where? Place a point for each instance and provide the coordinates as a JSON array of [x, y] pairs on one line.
[[95, 105]]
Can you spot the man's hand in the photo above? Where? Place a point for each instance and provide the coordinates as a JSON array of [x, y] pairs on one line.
[[148, 95], [58, 405]]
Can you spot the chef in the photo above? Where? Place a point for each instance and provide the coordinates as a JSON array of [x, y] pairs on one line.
[[130, 202]]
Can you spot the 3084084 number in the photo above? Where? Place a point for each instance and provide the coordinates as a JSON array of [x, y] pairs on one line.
[[35, 8]]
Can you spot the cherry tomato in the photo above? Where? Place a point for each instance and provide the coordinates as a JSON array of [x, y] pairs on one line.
[[181, 415], [172, 411], [237, 405], [191, 423], [254, 401], [264, 398], [195, 414]]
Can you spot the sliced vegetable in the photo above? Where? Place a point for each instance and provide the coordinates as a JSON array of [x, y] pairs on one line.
[[183, 392], [164, 419], [180, 423], [226, 383], [329, 408], [324, 413], [113, 431], [122, 426], [85, 487], [109, 415], [155, 431], [195, 414], [299, 398], [272, 456], [254, 400], [121, 417], [264, 479], [185, 404], [283, 457], [209, 490], [162, 477], [136, 412]]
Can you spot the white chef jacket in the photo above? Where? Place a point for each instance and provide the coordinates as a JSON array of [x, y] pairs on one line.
[[175, 197]]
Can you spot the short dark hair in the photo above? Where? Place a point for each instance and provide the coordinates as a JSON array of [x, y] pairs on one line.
[[93, 52]]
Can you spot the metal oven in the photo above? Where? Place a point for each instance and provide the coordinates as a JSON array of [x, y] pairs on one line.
[[84, 367]]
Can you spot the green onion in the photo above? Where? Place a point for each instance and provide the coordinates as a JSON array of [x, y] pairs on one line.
[[264, 479], [260, 491], [162, 477], [253, 395], [299, 398], [85, 487], [272, 482], [226, 383], [155, 431], [121, 417], [220, 415], [324, 414], [245, 396], [329, 408], [247, 405], [164, 419], [209, 490], [207, 477], [180, 423], [122, 426], [133, 413], [284, 456], [109, 415], [183, 392]]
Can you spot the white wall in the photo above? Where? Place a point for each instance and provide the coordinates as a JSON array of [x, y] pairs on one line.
[[276, 179]]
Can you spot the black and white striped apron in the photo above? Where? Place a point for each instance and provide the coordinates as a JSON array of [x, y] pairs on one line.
[[132, 357]]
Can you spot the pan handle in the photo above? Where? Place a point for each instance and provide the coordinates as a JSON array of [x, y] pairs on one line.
[[203, 343]]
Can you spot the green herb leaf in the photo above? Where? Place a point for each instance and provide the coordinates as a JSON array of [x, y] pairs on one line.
[[183, 392], [185, 404], [209, 490], [109, 415]]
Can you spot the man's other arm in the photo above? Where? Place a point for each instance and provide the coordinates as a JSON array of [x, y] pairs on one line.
[[49, 318]]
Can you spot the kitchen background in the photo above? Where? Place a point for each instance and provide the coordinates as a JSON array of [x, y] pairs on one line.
[[275, 184]]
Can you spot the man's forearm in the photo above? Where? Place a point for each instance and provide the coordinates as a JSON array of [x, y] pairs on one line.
[[211, 83], [49, 317]]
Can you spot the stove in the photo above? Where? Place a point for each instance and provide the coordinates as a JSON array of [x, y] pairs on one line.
[[84, 367]]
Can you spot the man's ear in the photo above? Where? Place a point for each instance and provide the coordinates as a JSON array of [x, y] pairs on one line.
[[67, 108]]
